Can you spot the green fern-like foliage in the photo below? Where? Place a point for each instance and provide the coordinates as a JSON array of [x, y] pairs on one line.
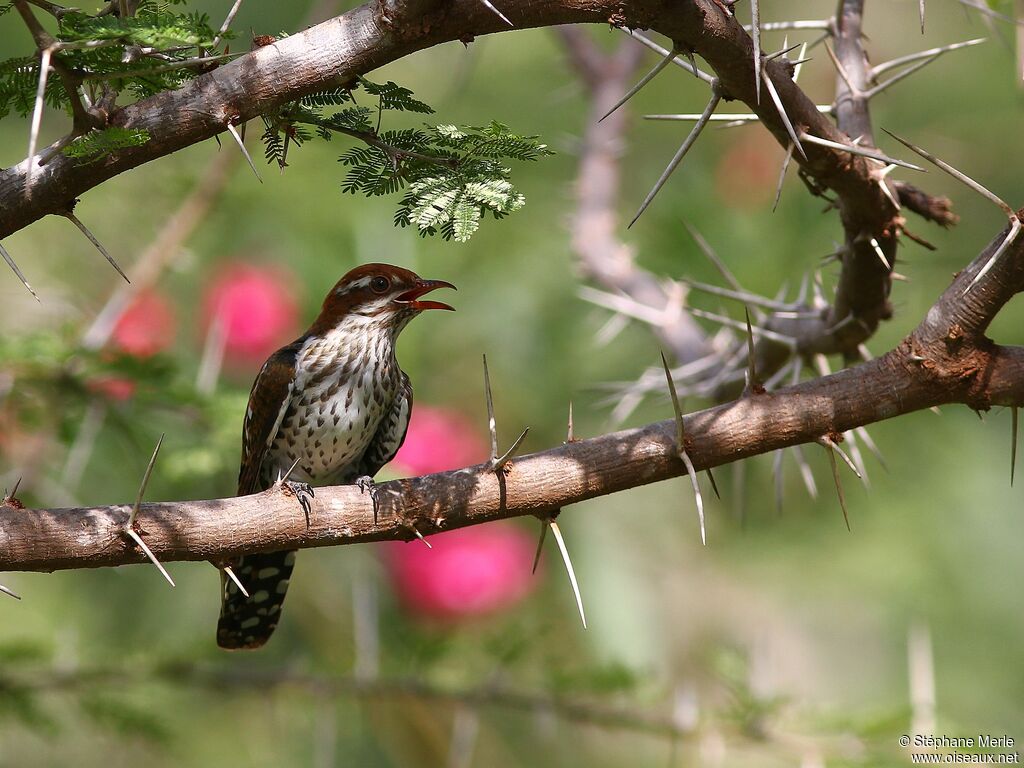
[[153, 26], [95, 144], [451, 176], [19, 78], [147, 48]]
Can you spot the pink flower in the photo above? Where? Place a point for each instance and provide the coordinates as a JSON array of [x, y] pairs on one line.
[[147, 326], [256, 306], [117, 388], [439, 439], [469, 572]]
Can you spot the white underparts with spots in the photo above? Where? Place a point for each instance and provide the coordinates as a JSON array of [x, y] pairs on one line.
[[346, 383]]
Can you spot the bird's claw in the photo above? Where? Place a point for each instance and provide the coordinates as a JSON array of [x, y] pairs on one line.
[[366, 485], [303, 492]]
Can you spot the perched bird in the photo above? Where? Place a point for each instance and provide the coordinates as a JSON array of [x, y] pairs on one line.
[[333, 407]]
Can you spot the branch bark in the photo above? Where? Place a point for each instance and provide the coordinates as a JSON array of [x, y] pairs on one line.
[[361, 40], [947, 359]]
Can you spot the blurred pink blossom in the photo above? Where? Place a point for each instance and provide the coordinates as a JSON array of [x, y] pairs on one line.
[[439, 439], [117, 388], [146, 326], [257, 307], [469, 572]]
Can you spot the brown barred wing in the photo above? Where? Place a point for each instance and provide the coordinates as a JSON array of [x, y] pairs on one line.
[[248, 622]]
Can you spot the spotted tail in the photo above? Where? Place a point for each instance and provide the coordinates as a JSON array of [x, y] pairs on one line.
[[248, 622]]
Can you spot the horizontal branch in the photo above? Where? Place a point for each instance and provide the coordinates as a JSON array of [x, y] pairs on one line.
[[336, 51], [921, 373]]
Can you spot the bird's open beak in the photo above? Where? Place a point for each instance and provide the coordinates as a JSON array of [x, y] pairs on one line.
[[411, 297]]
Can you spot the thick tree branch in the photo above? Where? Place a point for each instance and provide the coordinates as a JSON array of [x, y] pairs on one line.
[[946, 359], [864, 282], [335, 51]]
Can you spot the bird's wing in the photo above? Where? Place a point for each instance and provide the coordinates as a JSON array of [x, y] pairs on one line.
[[269, 402], [391, 433]]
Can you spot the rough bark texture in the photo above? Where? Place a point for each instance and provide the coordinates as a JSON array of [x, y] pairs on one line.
[[363, 39], [947, 359]]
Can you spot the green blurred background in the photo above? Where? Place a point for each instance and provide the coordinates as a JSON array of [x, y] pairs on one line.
[[786, 637]]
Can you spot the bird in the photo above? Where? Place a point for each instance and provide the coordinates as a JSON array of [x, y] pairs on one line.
[[330, 408]]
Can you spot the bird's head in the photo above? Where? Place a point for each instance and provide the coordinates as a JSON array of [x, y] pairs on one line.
[[380, 294]]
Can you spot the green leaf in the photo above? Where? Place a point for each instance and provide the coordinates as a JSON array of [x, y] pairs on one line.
[[465, 219], [452, 175], [396, 98], [151, 26], [96, 144]]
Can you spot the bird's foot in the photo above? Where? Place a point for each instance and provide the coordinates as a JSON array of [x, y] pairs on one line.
[[366, 485], [301, 491]]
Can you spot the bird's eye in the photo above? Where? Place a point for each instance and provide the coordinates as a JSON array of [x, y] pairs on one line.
[[380, 284]]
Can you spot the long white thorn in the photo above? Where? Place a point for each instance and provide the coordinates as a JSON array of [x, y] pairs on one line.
[[716, 96], [496, 12], [220, 34], [802, 58], [958, 175], [805, 472], [931, 52], [676, 407], [782, 175], [874, 154], [757, 330], [623, 305], [743, 296], [751, 370], [829, 443], [569, 570], [37, 112], [857, 457], [145, 481], [786, 48], [1014, 416], [245, 152], [504, 459], [755, 30], [11, 263], [779, 26], [540, 543], [714, 258], [869, 443], [99, 246], [492, 427], [880, 254], [872, 92], [777, 475], [129, 528], [782, 113], [920, 11], [229, 571], [149, 553], [679, 62], [830, 447], [7, 591], [643, 81], [1015, 227], [692, 473]]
